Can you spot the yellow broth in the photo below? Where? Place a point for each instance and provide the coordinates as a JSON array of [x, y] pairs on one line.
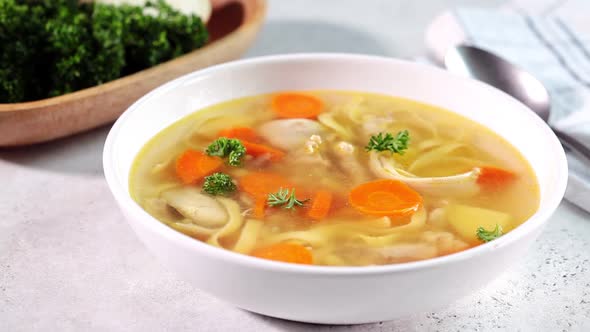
[[441, 144]]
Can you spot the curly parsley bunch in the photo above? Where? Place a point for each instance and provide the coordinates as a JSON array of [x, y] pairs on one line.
[[53, 47]]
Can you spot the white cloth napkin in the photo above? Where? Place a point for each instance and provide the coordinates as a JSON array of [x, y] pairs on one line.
[[551, 40]]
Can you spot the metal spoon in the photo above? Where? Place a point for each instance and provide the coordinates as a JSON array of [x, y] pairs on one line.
[[487, 67]]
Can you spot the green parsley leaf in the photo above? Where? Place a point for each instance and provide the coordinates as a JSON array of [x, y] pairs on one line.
[[487, 236], [387, 142], [286, 198], [231, 148], [219, 184]]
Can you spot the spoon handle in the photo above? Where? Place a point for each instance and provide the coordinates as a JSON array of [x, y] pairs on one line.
[[574, 145]]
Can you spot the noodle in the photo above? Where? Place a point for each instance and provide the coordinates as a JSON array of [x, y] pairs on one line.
[[247, 240], [434, 155], [463, 185], [193, 230], [328, 120], [234, 223]]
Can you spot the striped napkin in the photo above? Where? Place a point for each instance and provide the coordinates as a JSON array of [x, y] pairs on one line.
[[551, 40]]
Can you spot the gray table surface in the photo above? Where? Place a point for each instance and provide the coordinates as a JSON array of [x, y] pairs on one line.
[[69, 262]]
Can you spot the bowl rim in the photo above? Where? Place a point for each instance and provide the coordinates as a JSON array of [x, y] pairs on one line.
[[120, 192]]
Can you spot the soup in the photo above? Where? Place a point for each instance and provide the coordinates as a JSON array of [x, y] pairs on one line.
[[334, 178]]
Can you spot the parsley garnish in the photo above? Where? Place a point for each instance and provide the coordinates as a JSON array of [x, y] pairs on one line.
[[285, 197], [487, 236], [387, 142], [227, 147], [219, 184]]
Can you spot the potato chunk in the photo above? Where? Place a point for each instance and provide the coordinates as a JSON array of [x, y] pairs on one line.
[[466, 219]]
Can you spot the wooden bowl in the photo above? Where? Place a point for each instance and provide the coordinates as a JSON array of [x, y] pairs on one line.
[[233, 25]]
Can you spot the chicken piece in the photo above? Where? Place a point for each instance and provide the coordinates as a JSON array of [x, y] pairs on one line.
[[445, 242], [374, 124], [289, 134], [310, 152], [346, 154], [312, 145], [199, 208], [405, 252], [438, 217]]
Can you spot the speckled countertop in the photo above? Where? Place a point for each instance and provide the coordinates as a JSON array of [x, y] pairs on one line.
[[69, 262]]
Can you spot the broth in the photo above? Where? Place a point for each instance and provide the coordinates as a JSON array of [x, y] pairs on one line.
[[315, 190]]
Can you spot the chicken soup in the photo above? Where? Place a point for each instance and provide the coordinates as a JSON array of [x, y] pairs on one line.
[[334, 178]]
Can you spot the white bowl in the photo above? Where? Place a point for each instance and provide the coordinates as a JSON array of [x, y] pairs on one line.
[[335, 295]]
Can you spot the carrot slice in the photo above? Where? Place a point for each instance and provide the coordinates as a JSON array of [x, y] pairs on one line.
[[193, 165], [285, 252], [385, 198], [259, 207], [241, 133], [320, 205], [296, 105], [494, 177], [260, 184], [256, 150]]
